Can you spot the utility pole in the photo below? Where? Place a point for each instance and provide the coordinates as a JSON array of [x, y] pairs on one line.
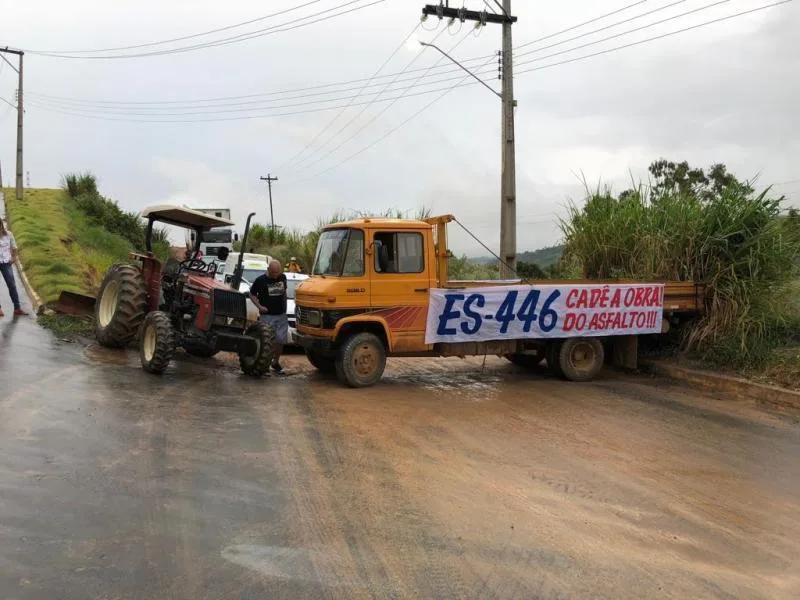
[[508, 181], [269, 179], [508, 189], [20, 112]]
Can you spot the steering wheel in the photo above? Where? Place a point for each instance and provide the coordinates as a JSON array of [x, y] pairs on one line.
[[196, 265]]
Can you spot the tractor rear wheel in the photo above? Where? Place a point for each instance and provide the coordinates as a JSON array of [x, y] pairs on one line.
[[120, 306], [156, 342], [258, 364], [581, 359], [324, 364], [361, 360]]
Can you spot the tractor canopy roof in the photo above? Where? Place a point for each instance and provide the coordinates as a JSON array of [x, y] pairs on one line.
[[184, 217]]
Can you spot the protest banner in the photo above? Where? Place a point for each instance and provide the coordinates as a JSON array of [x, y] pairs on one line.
[[543, 311]]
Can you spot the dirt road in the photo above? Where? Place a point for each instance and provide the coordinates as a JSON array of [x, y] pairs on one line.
[[449, 480]]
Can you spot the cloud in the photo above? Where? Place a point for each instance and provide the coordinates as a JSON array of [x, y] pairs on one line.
[[726, 93]]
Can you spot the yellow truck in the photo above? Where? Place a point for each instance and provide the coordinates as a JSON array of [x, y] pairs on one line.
[[380, 288]]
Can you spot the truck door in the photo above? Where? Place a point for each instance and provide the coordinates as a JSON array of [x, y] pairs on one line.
[[399, 286]]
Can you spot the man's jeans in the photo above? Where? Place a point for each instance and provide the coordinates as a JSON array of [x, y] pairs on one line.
[[7, 269]]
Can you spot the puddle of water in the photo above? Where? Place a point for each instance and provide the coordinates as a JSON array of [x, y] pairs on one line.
[[97, 354]]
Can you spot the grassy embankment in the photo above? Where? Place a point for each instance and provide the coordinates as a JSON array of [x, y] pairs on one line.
[[68, 239]]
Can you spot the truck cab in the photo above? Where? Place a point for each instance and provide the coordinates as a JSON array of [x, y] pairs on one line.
[[369, 276]]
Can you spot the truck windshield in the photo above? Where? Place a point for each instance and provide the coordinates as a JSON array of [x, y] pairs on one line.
[[218, 236], [340, 252], [250, 275]]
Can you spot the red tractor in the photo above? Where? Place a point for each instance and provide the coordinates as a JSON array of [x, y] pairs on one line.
[[181, 305]]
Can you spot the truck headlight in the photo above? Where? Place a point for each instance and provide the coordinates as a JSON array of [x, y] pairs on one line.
[[313, 317]]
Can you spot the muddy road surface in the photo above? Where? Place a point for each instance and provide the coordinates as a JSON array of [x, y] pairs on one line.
[[451, 479]]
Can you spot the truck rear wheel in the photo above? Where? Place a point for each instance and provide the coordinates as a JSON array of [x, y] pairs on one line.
[[580, 359], [526, 361], [156, 342], [361, 360], [120, 306], [257, 364], [324, 364]]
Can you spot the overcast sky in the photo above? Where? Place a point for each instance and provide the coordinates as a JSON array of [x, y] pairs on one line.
[[728, 92]]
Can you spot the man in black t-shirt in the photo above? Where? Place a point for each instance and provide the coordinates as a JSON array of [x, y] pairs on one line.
[[268, 293]]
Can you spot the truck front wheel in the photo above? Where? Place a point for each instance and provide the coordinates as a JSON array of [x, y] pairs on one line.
[[322, 363], [580, 359], [361, 360]]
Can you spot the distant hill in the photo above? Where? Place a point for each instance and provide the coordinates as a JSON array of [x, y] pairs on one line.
[[544, 257]]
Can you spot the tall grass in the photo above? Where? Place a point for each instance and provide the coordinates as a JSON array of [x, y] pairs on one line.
[[736, 242]]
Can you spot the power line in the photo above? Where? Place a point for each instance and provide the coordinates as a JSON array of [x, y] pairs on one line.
[[365, 103], [364, 109], [622, 33], [465, 81], [177, 39], [385, 108], [9, 103], [283, 27], [579, 25], [349, 104], [227, 99], [76, 112], [229, 107], [10, 64], [713, 21], [651, 39], [611, 26], [87, 114], [447, 67]]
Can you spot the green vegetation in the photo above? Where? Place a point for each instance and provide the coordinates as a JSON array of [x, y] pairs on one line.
[[705, 227], [543, 257], [68, 242], [65, 326]]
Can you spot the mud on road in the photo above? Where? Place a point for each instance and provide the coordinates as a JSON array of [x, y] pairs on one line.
[[451, 479]]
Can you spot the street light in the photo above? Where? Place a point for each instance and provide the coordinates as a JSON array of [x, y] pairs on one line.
[[478, 79]]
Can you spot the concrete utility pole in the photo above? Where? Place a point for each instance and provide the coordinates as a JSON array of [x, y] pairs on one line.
[[508, 191], [269, 179], [20, 112], [508, 182]]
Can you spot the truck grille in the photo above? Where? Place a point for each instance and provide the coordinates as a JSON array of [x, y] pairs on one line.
[[301, 316], [228, 303]]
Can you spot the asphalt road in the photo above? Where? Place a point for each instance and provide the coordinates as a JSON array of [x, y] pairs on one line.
[[449, 480]]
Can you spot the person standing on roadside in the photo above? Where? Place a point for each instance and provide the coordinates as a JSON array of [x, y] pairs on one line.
[[268, 293], [8, 256]]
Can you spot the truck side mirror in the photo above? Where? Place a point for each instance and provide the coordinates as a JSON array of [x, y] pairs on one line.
[[235, 237]]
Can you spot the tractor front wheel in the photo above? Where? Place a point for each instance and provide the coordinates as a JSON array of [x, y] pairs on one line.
[[120, 306], [258, 363], [156, 342]]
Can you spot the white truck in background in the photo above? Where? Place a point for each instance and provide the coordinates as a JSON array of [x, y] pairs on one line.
[[216, 238]]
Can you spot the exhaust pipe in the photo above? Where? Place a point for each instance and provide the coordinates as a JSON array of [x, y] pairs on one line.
[[237, 272]]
